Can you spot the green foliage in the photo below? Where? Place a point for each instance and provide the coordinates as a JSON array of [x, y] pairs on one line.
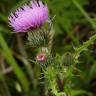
[[8, 55], [67, 12], [70, 72]]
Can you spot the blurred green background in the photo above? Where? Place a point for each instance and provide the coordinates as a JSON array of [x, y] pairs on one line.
[[72, 28]]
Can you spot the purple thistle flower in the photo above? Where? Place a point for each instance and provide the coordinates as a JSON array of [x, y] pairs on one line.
[[29, 17]]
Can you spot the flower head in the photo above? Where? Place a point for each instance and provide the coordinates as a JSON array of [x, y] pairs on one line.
[[29, 17], [41, 57]]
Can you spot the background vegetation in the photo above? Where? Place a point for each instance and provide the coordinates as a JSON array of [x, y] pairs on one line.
[[74, 24]]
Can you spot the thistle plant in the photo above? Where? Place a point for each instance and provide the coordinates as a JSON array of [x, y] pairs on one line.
[[34, 20]]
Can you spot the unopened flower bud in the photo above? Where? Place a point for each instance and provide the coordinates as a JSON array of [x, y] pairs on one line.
[[41, 57]]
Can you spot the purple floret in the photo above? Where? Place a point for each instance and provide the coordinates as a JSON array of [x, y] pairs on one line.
[[29, 17]]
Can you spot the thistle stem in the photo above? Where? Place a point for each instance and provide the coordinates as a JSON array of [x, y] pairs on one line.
[[84, 46], [51, 37]]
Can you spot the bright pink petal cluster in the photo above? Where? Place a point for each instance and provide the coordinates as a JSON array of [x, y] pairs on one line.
[[29, 17], [41, 57]]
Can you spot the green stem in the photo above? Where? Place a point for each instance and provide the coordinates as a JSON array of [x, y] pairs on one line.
[[51, 37], [19, 73], [84, 46], [50, 74]]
